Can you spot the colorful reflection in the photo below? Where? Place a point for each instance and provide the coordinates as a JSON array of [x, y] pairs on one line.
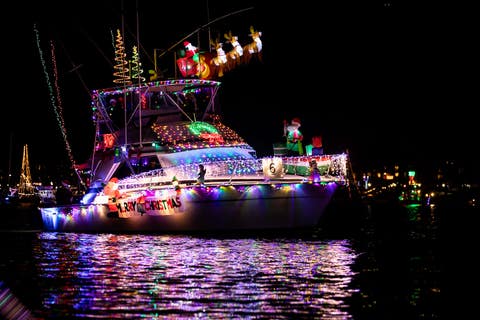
[[158, 277]]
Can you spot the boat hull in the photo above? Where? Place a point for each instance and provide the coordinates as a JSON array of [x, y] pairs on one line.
[[224, 208]]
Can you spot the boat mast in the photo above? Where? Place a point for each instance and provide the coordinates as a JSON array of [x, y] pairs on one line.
[[9, 178], [209, 31], [201, 28], [139, 85], [124, 84]]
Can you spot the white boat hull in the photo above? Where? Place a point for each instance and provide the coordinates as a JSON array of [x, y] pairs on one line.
[[224, 208]]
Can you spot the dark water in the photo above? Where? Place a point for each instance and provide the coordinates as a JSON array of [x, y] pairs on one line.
[[373, 261]]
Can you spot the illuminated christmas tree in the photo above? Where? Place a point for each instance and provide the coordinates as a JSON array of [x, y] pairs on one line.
[[120, 74], [136, 65], [25, 187]]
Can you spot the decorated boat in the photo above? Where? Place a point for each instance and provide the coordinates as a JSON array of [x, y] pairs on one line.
[[165, 161], [146, 178]]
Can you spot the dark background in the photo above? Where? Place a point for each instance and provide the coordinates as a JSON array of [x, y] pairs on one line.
[[389, 81]]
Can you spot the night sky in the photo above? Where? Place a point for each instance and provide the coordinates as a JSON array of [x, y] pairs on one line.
[[380, 79]]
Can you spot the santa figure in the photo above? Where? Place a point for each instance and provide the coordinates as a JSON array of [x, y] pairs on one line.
[[190, 49], [294, 138]]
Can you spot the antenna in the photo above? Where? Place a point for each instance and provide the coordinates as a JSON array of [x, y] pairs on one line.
[[140, 138], [203, 27], [124, 82], [9, 178], [209, 32]]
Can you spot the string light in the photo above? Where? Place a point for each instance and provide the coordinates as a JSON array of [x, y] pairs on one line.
[[197, 135], [121, 73], [137, 70], [57, 107]]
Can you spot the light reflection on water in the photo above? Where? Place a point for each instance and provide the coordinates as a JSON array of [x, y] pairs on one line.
[[159, 277]]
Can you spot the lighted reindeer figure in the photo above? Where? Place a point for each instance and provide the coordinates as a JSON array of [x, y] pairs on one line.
[[237, 50], [221, 59], [255, 46]]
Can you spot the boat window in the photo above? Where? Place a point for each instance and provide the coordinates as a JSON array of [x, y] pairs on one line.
[[146, 164]]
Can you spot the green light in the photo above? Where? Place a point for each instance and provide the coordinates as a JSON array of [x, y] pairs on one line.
[[200, 127], [196, 57]]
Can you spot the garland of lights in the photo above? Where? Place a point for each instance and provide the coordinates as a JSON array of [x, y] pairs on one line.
[[137, 70], [229, 166], [196, 135], [184, 83], [336, 164], [57, 109], [121, 73]]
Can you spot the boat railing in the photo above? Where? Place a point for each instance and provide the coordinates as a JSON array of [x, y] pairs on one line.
[[330, 165], [215, 169], [332, 168], [245, 168]]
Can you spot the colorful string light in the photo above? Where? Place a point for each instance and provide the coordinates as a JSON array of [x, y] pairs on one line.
[[55, 100]]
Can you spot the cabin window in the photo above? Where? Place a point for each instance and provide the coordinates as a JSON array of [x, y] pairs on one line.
[[146, 164]]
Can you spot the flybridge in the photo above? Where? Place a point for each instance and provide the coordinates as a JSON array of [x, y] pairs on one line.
[[158, 86], [193, 99]]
